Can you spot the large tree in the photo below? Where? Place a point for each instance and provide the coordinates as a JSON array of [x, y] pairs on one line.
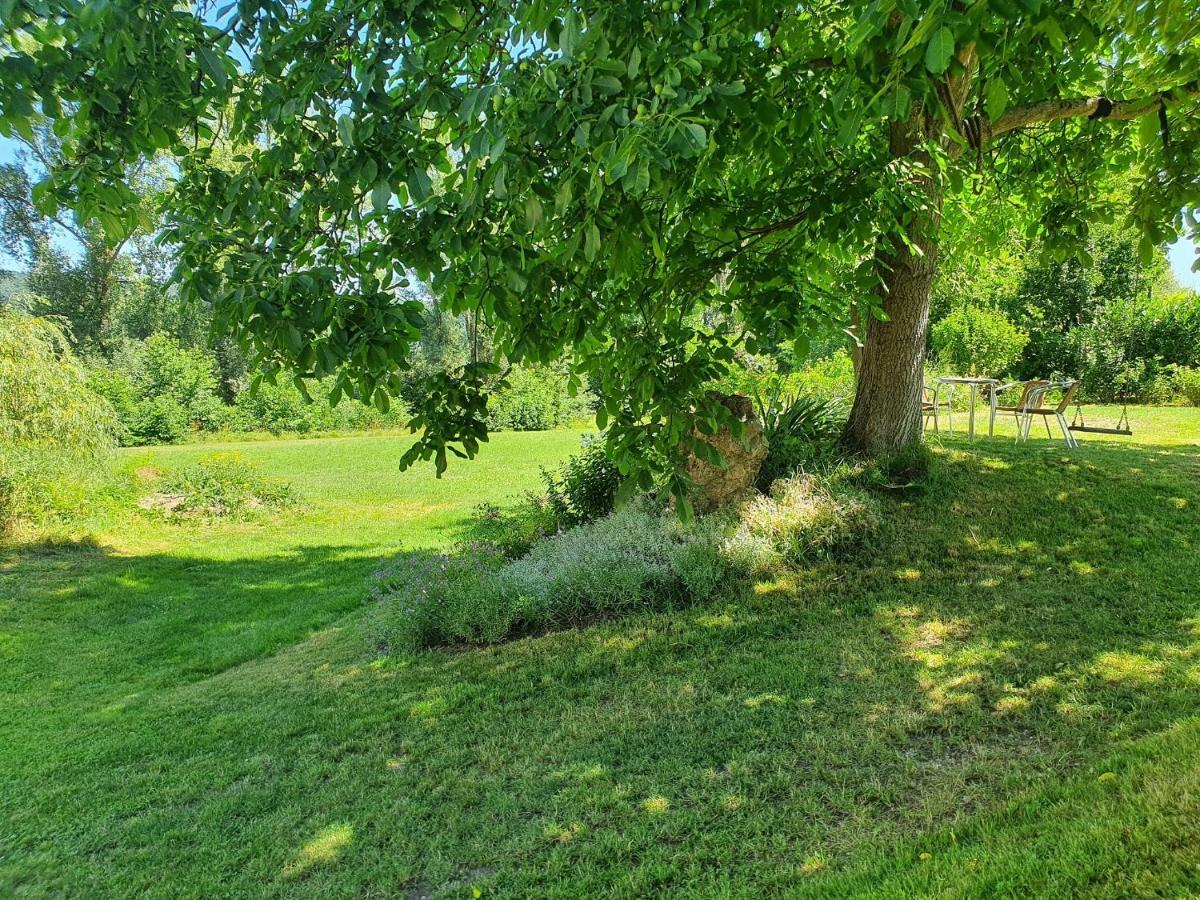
[[585, 177]]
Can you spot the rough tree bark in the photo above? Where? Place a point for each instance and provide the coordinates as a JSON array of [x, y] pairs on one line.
[[886, 415]]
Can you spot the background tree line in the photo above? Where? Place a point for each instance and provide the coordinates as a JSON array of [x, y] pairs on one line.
[[160, 363]]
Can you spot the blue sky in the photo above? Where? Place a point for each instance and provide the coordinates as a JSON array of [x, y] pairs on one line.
[[1182, 254]]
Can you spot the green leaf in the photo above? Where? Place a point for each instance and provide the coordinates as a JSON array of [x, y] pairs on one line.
[[898, 105], [213, 66], [1054, 32], [1147, 251], [996, 100], [1148, 131], [635, 60], [939, 51], [697, 137], [607, 84], [569, 39], [419, 185], [642, 181], [345, 128], [591, 243], [381, 196], [533, 212], [369, 170]]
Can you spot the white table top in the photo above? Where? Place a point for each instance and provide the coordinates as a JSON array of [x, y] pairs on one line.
[[954, 379]]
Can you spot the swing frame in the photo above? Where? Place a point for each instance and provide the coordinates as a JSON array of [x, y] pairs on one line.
[[1122, 426]]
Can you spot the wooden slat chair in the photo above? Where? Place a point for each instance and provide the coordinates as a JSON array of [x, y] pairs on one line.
[[930, 404], [1039, 407], [1027, 400]]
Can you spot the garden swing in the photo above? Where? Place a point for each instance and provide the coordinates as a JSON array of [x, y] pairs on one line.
[[1122, 426]]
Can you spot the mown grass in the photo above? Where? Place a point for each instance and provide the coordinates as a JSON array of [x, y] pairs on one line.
[[1004, 698]]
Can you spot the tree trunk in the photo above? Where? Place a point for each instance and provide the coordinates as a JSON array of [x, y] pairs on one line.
[[886, 416]]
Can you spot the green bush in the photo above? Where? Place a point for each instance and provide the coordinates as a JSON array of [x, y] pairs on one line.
[[280, 408], [584, 488], [1188, 380], [512, 532], [220, 485], [800, 429], [1132, 351], [976, 340], [55, 432], [830, 379], [534, 399], [115, 387], [161, 367], [160, 390], [804, 518], [158, 420], [637, 559], [581, 490]]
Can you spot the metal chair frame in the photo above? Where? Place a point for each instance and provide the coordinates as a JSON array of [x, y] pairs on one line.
[[929, 409], [1027, 400], [1034, 407]]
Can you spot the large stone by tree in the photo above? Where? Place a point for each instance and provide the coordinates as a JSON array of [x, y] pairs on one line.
[[647, 187], [717, 481]]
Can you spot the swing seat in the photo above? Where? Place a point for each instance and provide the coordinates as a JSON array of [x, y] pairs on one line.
[[1096, 429], [1122, 426]]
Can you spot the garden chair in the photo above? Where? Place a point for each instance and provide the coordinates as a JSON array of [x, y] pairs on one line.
[[930, 404], [1027, 400], [1039, 407]]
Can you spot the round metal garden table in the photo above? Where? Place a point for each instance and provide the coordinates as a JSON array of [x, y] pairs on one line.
[[974, 384]]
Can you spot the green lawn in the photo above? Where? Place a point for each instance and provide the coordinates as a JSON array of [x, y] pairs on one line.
[[1003, 698]]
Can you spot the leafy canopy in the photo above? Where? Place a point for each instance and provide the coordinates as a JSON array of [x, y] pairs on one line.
[[644, 186]]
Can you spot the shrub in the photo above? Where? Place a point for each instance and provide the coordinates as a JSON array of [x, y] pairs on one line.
[[280, 408], [115, 387], [160, 390], [45, 399], [158, 420], [634, 560], [831, 378], [1189, 384], [803, 518], [161, 367], [55, 432], [800, 429], [584, 488], [637, 559], [9, 502], [512, 532], [975, 340], [581, 490], [220, 484], [534, 399]]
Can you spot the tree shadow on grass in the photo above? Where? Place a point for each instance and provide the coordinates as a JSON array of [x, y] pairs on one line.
[[1029, 613], [82, 620]]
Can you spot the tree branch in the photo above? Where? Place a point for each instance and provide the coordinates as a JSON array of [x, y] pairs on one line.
[[1099, 107]]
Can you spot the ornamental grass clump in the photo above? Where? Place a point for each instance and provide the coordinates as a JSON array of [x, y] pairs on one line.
[[803, 519]]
